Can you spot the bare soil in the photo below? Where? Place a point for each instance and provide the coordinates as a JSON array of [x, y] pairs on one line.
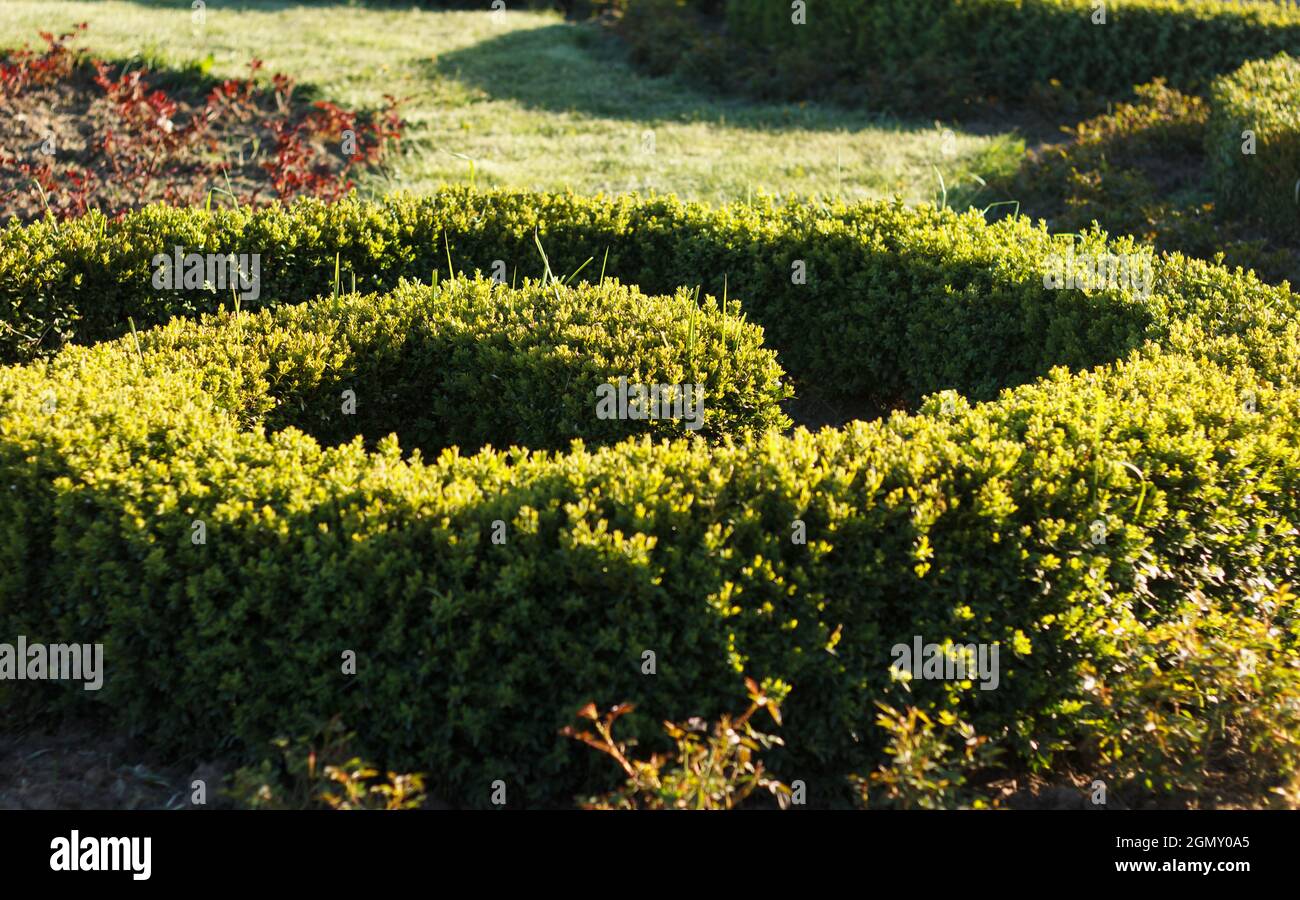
[[76, 767]]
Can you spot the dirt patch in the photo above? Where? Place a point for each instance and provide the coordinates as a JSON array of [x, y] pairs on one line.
[[76, 767], [59, 129]]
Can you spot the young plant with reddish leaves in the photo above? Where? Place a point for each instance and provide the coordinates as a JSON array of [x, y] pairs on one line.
[[717, 769], [241, 140]]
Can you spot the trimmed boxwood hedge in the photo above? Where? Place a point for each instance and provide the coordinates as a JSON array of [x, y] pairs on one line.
[[977, 318], [473, 362], [1013, 46], [970, 522], [1262, 97]]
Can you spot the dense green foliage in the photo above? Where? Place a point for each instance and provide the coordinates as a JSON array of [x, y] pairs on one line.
[[1261, 98], [1011, 47], [476, 363], [925, 54], [975, 523], [977, 318]]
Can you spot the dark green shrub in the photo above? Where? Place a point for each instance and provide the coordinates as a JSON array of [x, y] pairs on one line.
[[1011, 48], [1257, 109], [973, 525]]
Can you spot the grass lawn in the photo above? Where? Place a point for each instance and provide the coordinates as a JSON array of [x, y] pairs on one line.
[[527, 100]]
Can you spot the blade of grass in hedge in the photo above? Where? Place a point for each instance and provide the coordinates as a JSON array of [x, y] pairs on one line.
[[239, 323], [579, 269], [135, 337], [690, 331], [547, 277], [1142, 494], [230, 188], [1096, 462], [1015, 203], [602, 265], [943, 188], [724, 314], [45, 201]]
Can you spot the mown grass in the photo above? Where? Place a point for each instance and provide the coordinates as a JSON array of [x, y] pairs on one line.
[[528, 100]]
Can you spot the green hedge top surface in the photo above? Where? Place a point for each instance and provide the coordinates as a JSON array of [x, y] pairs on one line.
[[159, 498], [876, 300], [1253, 142], [469, 363]]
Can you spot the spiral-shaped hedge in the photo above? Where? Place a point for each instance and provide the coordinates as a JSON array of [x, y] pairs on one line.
[[488, 593]]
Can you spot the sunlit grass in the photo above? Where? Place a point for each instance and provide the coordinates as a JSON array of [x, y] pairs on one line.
[[528, 100]]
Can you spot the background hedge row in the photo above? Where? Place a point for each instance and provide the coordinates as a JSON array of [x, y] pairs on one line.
[[1005, 47], [1262, 98]]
